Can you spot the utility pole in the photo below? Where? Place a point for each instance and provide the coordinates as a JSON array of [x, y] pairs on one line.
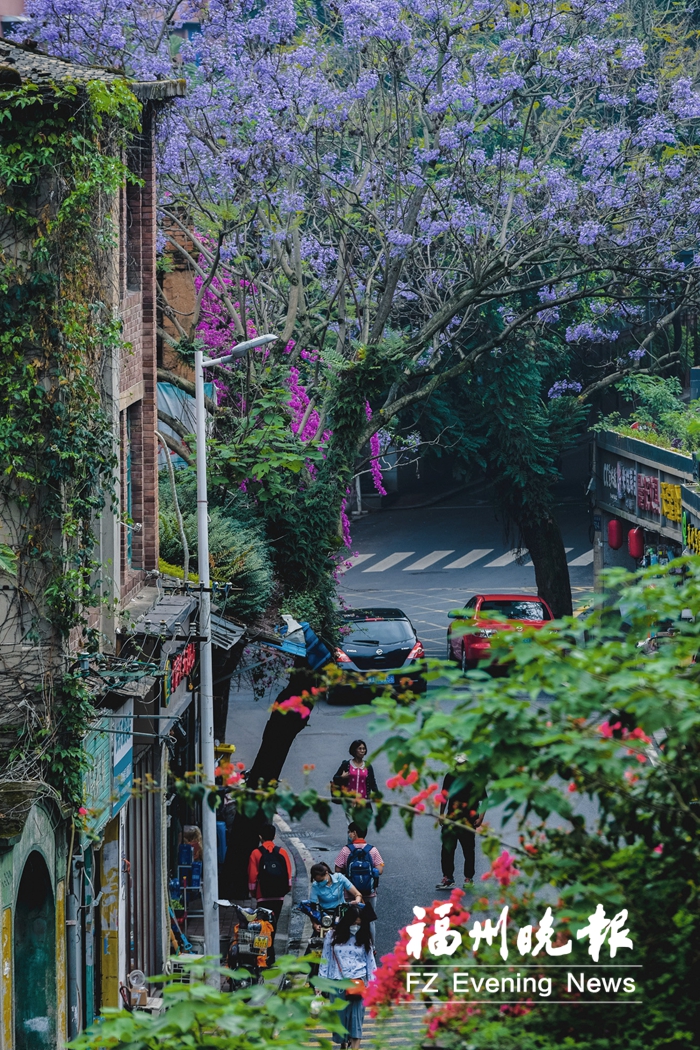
[[206, 688]]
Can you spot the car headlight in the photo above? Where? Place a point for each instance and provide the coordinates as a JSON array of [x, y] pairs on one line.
[[486, 633]]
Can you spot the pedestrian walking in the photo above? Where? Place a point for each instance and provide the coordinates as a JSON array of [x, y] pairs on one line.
[[348, 954], [461, 804], [270, 877], [356, 775], [363, 864]]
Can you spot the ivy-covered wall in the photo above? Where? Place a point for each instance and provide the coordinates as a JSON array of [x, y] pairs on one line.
[[62, 151]]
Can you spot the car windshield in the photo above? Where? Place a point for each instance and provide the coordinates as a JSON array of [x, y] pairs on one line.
[[515, 610], [377, 632]]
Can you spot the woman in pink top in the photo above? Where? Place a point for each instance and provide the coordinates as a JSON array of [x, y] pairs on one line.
[[357, 776]]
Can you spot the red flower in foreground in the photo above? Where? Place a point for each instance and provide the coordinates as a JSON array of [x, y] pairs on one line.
[[448, 1015], [606, 730], [517, 1009], [388, 986], [400, 780], [295, 704], [502, 869], [418, 801], [637, 734]]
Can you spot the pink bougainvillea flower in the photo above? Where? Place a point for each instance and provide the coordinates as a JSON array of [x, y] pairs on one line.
[[294, 703], [502, 869], [638, 734], [420, 798], [659, 848], [399, 780]]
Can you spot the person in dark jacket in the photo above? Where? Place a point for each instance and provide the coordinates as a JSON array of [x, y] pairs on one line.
[[462, 799], [357, 776]]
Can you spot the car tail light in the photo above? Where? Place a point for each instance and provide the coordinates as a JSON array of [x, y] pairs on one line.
[[341, 657], [417, 651]]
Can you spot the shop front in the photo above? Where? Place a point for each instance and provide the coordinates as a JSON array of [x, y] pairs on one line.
[[640, 494], [33, 973]]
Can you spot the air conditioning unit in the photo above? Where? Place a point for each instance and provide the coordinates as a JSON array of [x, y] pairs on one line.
[[179, 970]]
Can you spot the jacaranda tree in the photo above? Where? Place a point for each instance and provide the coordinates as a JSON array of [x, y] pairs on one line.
[[408, 193]]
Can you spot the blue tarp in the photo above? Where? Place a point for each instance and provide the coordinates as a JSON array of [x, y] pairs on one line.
[[315, 652]]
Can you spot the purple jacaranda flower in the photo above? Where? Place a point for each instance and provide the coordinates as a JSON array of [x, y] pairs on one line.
[[563, 387]]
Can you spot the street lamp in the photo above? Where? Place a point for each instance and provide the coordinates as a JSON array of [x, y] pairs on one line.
[[206, 686]]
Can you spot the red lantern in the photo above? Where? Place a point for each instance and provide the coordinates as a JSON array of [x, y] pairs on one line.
[[615, 534], [635, 542]]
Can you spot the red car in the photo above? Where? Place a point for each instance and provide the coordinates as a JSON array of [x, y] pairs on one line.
[[468, 647]]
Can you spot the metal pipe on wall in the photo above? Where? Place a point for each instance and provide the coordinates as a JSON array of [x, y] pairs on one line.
[[74, 961]]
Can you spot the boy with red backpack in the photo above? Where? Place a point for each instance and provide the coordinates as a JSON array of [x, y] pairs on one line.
[[269, 876]]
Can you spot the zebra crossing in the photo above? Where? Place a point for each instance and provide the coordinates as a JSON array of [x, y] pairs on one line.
[[431, 560], [401, 1030]]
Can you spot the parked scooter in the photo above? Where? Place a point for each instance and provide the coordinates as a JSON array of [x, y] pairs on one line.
[[249, 945]]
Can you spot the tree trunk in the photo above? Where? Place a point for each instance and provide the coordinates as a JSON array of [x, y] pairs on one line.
[[280, 733], [544, 542], [224, 664]]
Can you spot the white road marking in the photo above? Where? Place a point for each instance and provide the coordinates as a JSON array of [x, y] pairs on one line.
[[388, 563], [567, 550], [355, 559], [468, 559], [583, 559], [505, 559], [428, 560]]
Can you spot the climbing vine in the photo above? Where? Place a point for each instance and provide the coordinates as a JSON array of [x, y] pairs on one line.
[[61, 167]]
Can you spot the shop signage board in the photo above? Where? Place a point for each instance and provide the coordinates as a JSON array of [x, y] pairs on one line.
[[97, 780], [691, 519], [178, 669], [642, 483], [122, 755]]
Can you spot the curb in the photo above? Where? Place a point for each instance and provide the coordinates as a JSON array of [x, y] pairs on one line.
[[298, 925]]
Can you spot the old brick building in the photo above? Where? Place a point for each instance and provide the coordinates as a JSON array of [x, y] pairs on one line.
[[137, 374], [96, 894]]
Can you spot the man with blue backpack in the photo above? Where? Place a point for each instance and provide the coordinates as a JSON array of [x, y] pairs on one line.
[[362, 864]]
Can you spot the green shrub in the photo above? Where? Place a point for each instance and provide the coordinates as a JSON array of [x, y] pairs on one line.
[[238, 553]]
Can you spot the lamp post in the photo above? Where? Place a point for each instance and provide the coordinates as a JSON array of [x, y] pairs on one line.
[[206, 687]]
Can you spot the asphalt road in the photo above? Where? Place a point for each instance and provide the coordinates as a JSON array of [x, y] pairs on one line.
[[453, 531], [412, 864], [407, 559]]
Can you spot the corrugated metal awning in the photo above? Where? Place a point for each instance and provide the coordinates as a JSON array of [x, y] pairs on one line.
[[225, 633]]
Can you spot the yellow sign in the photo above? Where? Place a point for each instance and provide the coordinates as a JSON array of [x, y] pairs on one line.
[[109, 914], [693, 539], [61, 987], [6, 977], [671, 506]]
